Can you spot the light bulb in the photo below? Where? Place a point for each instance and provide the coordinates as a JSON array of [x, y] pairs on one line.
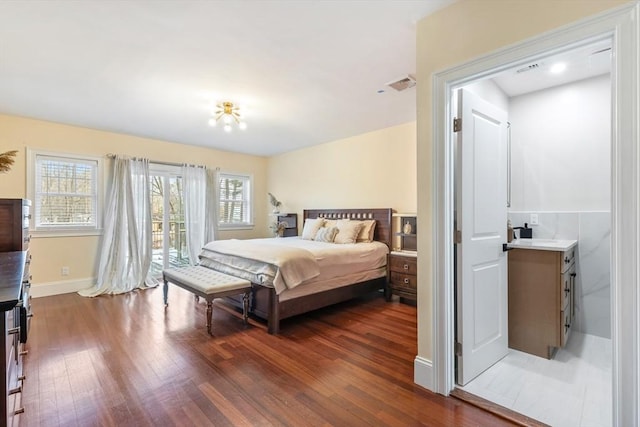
[[227, 127], [227, 119], [212, 122], [242, 125]]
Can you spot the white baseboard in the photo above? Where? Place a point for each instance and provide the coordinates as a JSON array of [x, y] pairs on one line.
[[62, 287], [423, 373]]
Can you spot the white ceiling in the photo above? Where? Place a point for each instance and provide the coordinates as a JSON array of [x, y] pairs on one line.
[[581, 63], [309, 71]]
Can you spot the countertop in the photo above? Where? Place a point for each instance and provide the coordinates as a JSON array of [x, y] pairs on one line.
[[543, 244]]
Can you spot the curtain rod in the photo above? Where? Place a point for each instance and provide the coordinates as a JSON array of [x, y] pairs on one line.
[[113, 156]]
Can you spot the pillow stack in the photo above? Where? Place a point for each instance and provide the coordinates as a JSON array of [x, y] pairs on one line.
[[341, 231]]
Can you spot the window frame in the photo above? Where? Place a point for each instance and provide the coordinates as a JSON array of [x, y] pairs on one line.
[[249, 222], [64, 230]]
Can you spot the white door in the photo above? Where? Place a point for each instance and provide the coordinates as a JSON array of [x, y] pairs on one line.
[[481, 195]]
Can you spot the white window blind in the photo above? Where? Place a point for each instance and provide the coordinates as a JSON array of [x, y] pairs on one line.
[[234, 194], [65, 192]]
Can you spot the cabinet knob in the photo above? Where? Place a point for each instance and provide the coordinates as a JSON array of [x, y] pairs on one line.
[[406, 266], [15, 390], [566, 260], [406, 281]]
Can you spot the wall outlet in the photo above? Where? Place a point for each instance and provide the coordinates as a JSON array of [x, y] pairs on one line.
[[65, 271], [534, 219]]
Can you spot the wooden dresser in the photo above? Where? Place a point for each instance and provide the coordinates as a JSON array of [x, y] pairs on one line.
[[15, 285]]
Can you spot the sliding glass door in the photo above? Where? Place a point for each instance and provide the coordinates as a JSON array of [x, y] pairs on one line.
[[167, 211]]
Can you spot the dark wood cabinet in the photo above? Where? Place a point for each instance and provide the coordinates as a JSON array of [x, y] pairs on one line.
[[15, 285], [14, 224], [402, 271], [291, 219]]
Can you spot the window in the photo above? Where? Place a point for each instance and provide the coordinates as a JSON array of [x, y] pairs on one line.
[[65, 192], [234, 195]]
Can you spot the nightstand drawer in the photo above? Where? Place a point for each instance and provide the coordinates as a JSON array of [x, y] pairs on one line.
[[401, 264], [401, 280]]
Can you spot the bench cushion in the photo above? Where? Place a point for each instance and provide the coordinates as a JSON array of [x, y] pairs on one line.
[[205, 280]]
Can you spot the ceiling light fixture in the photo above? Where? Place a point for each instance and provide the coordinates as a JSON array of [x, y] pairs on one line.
[[558, 68], [228, 112]]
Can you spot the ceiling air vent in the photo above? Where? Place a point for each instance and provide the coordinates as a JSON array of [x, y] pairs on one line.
[[528, 68], [404, 83]]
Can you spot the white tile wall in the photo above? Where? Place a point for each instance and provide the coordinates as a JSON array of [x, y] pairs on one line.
[[593, 264]]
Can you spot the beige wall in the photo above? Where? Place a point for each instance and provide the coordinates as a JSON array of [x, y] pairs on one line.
[[80, 253], [471, 28], [372, 170]]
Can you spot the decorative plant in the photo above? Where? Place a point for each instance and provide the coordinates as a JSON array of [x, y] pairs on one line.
[[274, 202], [278, 228], [6, 160]]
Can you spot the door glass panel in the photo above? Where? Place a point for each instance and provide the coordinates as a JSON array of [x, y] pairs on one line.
[[167, 214]]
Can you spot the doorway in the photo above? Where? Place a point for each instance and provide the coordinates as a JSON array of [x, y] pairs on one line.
[[621, 26], [169, 242], [560, 155]]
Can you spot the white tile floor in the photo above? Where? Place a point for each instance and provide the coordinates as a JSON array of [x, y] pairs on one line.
[[572, 389]]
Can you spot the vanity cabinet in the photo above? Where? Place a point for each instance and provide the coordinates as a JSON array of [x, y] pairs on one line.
[[541, 299]]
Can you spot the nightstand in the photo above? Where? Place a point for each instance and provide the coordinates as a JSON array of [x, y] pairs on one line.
[[402, 271]]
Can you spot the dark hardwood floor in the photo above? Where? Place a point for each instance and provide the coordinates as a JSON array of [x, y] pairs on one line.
[[125, 361]]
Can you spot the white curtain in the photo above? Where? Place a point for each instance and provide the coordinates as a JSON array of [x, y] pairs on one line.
[[194, 185], [125, 255], [211, 227], [199, 208]]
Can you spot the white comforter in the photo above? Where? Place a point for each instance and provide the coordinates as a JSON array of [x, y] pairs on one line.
[[285, 263]]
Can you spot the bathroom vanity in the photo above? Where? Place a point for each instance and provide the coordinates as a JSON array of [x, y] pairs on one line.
[[542, 277]]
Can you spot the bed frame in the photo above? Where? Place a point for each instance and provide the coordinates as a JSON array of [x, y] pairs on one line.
[[265, 302]]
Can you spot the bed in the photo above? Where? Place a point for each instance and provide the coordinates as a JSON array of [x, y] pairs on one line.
[[279, 291]]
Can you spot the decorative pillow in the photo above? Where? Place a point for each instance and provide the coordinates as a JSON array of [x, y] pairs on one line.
[[326, 234], [347, 231], [311, 227], [367, 231], [330, 222]]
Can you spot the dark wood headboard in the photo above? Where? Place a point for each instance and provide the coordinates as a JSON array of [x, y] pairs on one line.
[[382, 217]]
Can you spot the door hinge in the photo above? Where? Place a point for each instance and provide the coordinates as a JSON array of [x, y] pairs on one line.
[[457, 236], [457, 124], [458, 348]]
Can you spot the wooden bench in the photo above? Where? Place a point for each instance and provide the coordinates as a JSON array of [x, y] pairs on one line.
[[208, 284]]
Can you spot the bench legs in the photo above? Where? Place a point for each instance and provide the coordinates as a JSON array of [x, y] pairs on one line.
[[209, 314], [245, 304]]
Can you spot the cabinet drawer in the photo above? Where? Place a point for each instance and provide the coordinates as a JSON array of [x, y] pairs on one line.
[[568, 259], [565, 327], [402, 264], [565, 290], [400, 280]]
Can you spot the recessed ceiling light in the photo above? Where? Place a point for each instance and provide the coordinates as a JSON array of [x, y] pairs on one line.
[[558, 68]]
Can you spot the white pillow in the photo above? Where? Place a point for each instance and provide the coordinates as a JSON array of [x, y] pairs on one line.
[[311, 227], [326, 234], [347, 231]]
